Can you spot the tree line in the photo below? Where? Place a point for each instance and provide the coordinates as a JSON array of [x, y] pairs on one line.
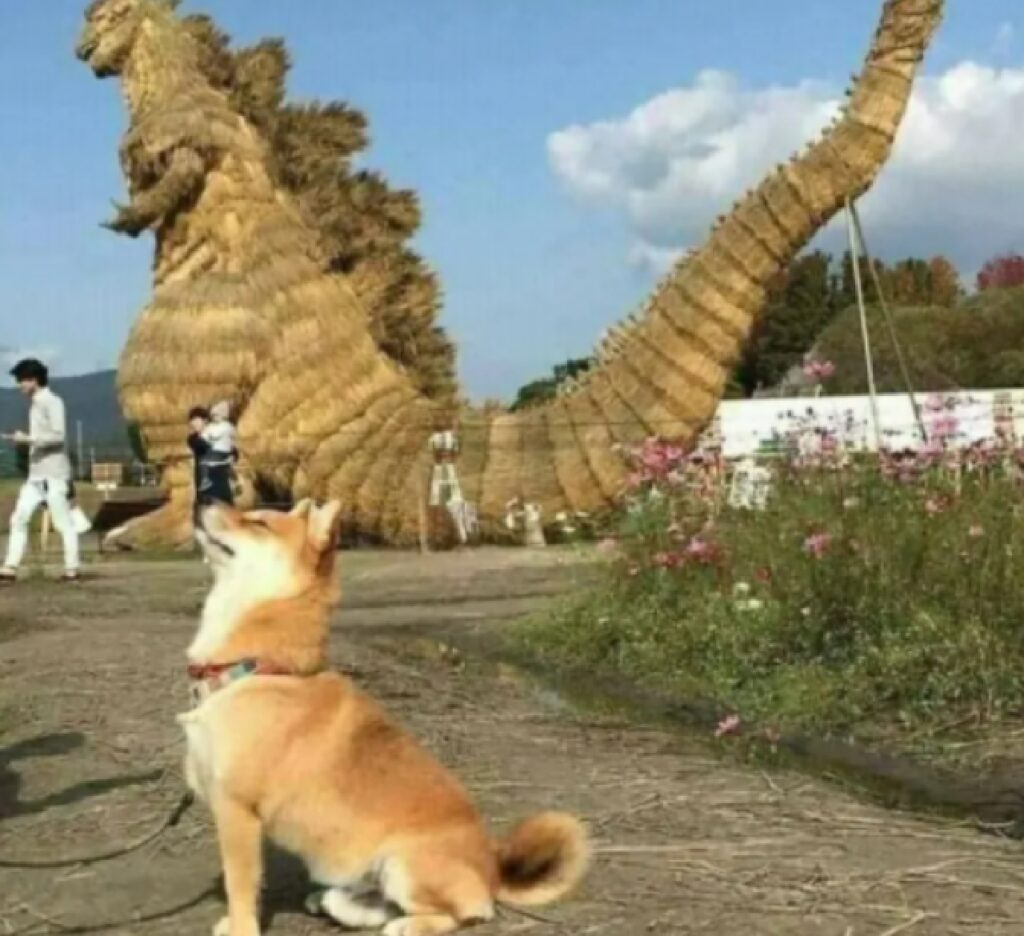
[[951, 339], [816, 288]]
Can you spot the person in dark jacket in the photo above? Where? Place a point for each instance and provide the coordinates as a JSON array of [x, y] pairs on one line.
[[212, 468]]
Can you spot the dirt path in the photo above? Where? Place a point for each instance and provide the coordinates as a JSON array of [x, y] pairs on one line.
[[90, 679]]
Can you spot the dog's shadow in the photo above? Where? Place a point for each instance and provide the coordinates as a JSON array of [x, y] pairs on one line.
[[53, 745], [287, 884]]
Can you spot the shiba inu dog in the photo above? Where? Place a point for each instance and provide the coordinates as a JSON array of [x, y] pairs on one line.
[[279, 747]]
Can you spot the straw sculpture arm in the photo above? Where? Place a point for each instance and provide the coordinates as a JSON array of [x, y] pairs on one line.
[[171, 192], [246, 307]]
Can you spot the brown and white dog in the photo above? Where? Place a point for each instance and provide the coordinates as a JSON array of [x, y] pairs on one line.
[[279, 747]]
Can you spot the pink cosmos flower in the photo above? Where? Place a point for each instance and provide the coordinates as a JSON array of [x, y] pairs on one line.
[[667, 560], [817, 544], [701, 551], [655, 461], [729, 725], [819, 370], [696, 547], [976, 531], [944, 426]]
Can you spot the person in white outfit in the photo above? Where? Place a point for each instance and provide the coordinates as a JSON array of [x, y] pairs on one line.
[[49, 472], [221, 433]]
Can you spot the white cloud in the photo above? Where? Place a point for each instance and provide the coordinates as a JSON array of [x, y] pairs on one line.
[[678, 160], [651, 259]]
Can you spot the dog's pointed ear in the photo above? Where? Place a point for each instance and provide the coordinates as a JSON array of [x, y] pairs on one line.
[[301, 509], [323, 525]]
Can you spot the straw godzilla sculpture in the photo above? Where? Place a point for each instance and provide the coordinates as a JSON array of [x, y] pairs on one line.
[[245, 305]]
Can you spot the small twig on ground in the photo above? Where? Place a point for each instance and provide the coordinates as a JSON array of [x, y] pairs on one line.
[[43, 918], [527, 914], [920, 917], [649, 802]]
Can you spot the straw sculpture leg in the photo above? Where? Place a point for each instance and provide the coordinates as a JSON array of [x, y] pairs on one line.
[[245, 307]]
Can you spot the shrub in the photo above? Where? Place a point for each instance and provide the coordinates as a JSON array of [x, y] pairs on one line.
[[975, 345]]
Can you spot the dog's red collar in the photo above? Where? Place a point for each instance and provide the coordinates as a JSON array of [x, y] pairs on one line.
[[206, 678], [246, 667]]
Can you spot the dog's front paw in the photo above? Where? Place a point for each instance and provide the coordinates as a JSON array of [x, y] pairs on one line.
[[223, 928]]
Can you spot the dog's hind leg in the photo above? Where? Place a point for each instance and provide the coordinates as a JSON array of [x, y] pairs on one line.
[[240, 836], [437, 894]]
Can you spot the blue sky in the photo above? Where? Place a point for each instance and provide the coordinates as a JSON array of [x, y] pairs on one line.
[[466, 99]]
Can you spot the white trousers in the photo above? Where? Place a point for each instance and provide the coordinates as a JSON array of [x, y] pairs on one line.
[[33, 495]]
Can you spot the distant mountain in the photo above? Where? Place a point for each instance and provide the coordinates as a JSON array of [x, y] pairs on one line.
[[90, 399]]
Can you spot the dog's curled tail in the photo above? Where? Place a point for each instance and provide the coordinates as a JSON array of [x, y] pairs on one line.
[[542, 859]]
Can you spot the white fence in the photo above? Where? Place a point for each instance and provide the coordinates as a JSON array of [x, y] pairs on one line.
[[959, 419]]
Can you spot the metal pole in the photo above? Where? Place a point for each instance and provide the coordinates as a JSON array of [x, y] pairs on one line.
[[865, 335], [80, 467], [889, 324]]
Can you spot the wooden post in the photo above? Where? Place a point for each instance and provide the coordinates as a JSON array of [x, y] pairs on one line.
[[422, 515]]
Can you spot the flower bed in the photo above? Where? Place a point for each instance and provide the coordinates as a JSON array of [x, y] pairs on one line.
[[875, 598]]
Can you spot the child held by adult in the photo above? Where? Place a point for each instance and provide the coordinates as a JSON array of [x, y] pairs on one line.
[[212, 441]]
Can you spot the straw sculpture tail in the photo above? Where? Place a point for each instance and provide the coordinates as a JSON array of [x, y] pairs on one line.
[[244, 308]]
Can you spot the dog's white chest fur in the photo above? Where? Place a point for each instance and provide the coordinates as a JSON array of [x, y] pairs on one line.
[[200, 760], [205, 745], [236, 592], [224, 607]]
